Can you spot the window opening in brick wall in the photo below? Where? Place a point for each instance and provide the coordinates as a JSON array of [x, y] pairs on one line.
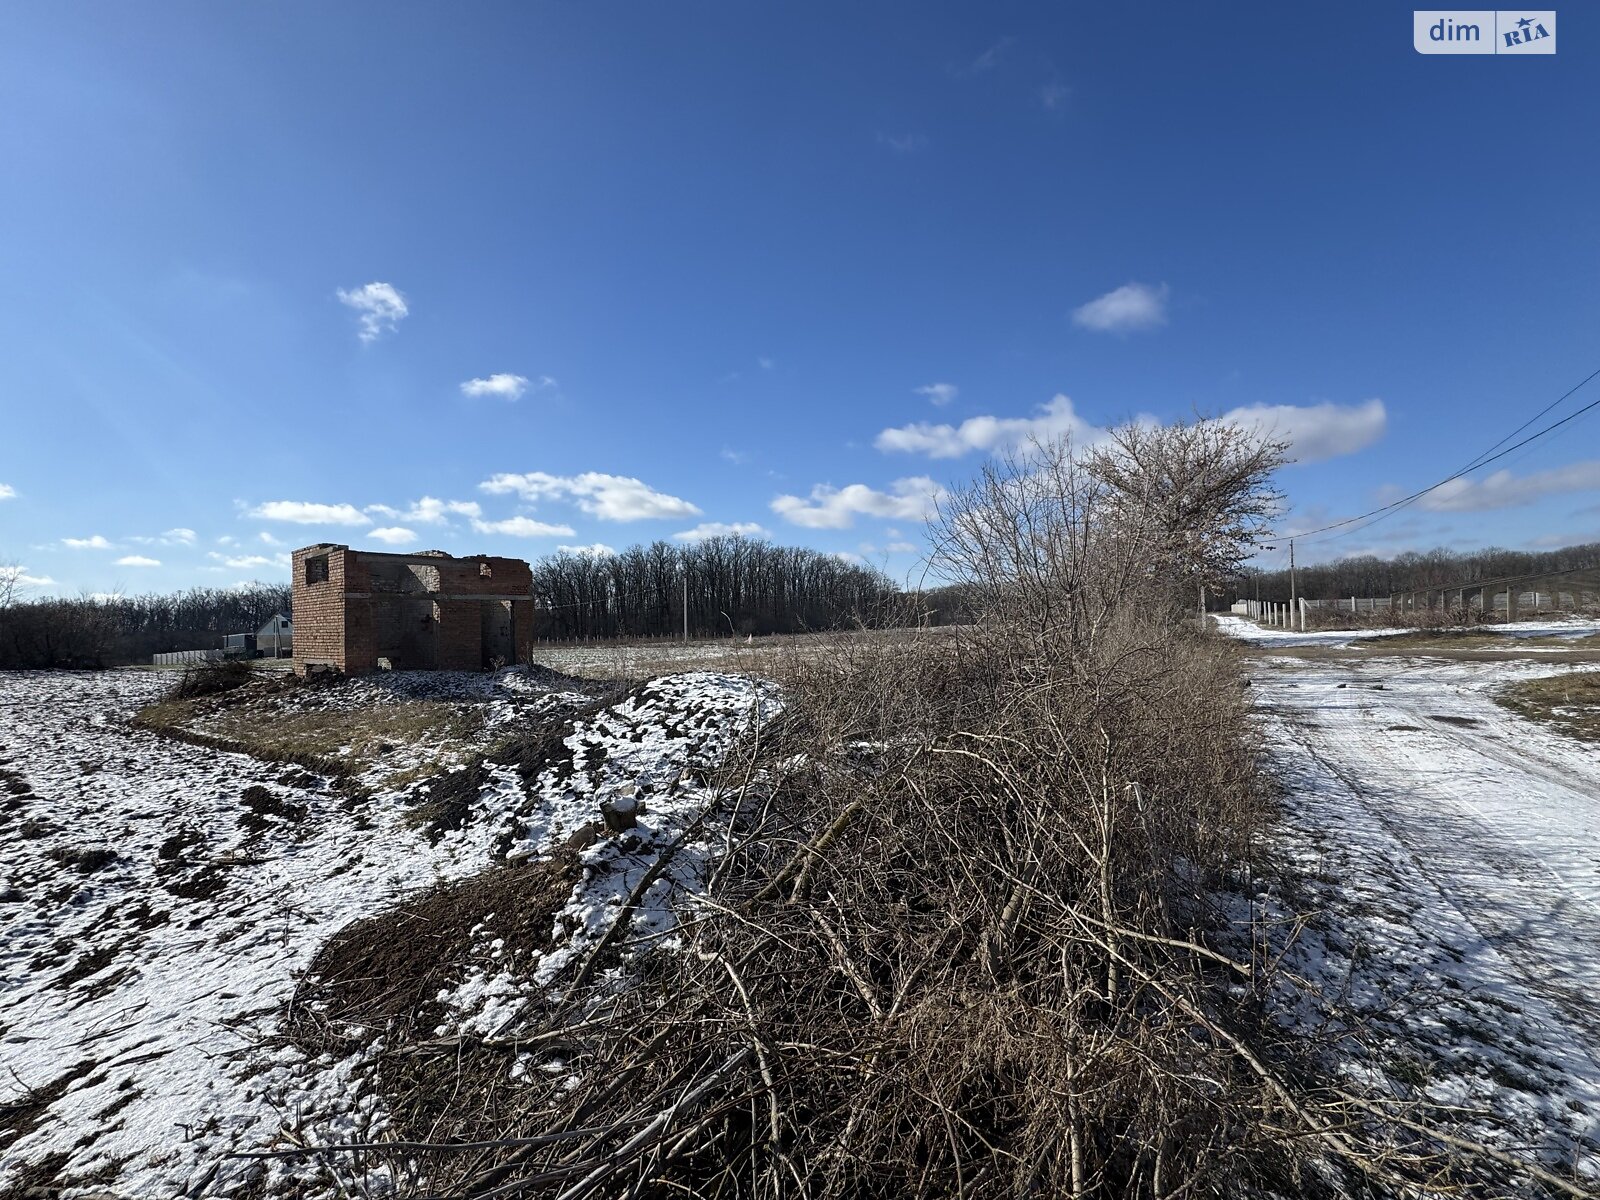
[[484, 571], [317, 569]]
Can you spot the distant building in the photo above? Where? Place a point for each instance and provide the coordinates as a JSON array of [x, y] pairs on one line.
[[357, 611], [275, 639]]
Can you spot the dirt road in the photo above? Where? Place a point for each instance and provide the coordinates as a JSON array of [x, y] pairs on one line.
[[1462, 843]]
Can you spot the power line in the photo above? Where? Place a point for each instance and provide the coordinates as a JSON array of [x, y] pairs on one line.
[[1482, 460]]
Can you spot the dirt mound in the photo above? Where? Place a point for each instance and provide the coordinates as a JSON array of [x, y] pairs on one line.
[[385, 972]]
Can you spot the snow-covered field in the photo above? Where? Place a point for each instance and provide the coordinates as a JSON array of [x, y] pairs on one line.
[[157, 900], [1456, 849]]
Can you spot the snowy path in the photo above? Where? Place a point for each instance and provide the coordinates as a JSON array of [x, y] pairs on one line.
[[1465, 842]]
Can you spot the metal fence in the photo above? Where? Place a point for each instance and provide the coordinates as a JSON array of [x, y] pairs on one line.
[[174, 658]]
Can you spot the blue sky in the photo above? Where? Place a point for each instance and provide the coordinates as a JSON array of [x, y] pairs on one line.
[[781, 266]]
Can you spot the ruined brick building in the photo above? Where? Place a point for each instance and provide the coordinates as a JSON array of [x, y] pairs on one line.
[[356, 611]]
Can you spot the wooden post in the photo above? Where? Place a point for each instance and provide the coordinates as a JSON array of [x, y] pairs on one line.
[[1511, 602]]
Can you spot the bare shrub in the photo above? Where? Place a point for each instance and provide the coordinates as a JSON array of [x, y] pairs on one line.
[[212, 678]]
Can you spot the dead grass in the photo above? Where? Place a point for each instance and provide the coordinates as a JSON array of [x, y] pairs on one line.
[[431, 733], [1568, 703], [391, 745], [383, 975], [630, 661], [381, 978]]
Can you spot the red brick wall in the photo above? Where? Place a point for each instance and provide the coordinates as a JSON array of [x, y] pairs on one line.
[[458, 633], [319, 610], [522, 624]]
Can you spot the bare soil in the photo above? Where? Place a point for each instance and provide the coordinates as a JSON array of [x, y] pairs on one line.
[[1569, 703]]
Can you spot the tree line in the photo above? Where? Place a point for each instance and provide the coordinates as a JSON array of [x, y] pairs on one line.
[[1368, 575], [727, 585], [107, 631], [732, 585]]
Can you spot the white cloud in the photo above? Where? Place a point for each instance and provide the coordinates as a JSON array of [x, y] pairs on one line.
[[394, 535], [836, 508], [300, 512], [1505, 490], [1559, 541], [1054, 95], [707, 529], [18, 575], [608, 497], [1314, 431], [138, 560], [429, 511], [523, 527], [990, 58], [939, 394], [244, 562], [7, 491], [737, 457], [269, 539], [1131, 306], [987, 433], [1317, 431], [904, 143], [380, 305], [595, 550], [505, 386], [172, 537], [96, 542]]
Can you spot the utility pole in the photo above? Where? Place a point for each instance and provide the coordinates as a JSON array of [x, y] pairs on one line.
[[686, 606], [1292, 604]]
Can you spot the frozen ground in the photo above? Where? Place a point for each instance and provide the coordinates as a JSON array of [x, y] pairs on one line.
[[157, 900], [1456, 849], [617, 660]]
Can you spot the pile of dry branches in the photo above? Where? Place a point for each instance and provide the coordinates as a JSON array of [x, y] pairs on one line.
[[960, 941]]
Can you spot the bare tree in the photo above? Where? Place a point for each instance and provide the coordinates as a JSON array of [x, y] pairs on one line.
[[1061, 538], [1196, 498]]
